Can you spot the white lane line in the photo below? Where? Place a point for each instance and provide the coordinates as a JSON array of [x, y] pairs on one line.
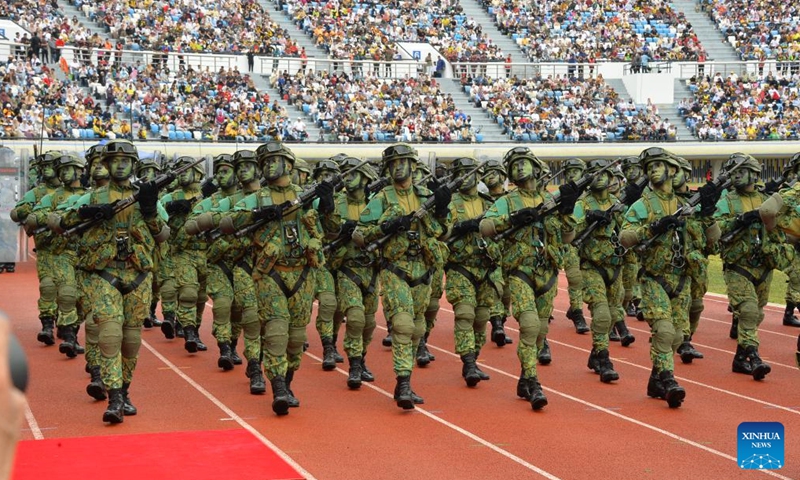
[[231, 414], [455, 427], [32, 423], [618, 415]]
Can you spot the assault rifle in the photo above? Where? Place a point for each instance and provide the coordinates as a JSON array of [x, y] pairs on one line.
[[161, 181], [552, 204], [728, 237], [453, 184], [722, 182], [617, 207], [305, 198], [378, 185]]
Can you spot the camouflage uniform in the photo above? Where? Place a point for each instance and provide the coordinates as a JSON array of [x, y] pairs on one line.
[[46, 267], [571, 264], [630, 269], [165, 277], [409, 257], [146, 171], [494, 177]]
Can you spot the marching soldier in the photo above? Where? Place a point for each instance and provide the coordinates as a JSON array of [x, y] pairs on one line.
[[793, 272], [146, 171], [633, 172], [573, 170], [410, 253]]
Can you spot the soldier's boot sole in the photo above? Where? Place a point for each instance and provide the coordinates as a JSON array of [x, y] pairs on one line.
[[280, 406], [225, 363], [96, 391], [46, 338], [761, 371]]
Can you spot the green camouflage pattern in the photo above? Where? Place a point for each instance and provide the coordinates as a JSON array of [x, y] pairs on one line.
[[747, 301], [350, 296], [604, 303], [572, 269], [323, 279], [191, 278], [470, 336]]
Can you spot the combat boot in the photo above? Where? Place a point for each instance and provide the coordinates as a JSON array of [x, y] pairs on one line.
[[127, 407], [734, 333], [626, 338], [336, 355], [387, 341], [593, 363], [280, 396], [46, 335], [545, 356], [741, 364], [524, 387], [607, 372], [613, 336], [152, 321], [423, 356], [788, 316], [654, 387], [481, 373], [253, 372], [116, 403], [201, 347], [237, 360], [354, 374], [366, 375], [190, 339], [576, 315], [168, 326], [469, 371], [673, 393], [96, 389], [633, 309], [225, 361], [78, 347], [402, 393], [538, 400], [328, 355], [430, 354], [760, 369], [293, 401], [687, 351], [179, 329], [499, 336], [67, 347]]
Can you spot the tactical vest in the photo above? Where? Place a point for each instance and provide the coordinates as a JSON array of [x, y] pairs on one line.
[[417, 244], [602, 248], [528, 246], [746, 247], [666, 255]]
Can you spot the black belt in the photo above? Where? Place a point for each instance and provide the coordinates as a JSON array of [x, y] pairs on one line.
[[475, 281], [356, 278], [122, 287], [424, 279], [242, 263], [536, 292], [284, 288], [227, 271], [749, 276], [604, 273], [669, 291]]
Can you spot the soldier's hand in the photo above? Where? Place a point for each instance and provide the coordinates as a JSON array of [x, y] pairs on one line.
[[270, 213], [397, 225], [747, 218], [467, 226], [208, 188], [523, 217], [665, 223], [148, 199], [709, 196], [324, 190], [569, 194], [600, 216], [442, 197], [179, 207], [97, 212], [348, 228], [632, 193], [772, 186]]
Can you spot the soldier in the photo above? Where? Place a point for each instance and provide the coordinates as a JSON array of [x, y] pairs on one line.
[[665, 298], [116, 255], [287, 244], [633, 172], [328, 323], [301, 173], [474, 279], [531, 256], [146, 171], [69, 169], [410, 253], [45, 269], [793, 272], [749, 256], [188, 255], [235, 305], [573, 170], [165, 272], [601, 258], [356, 272]]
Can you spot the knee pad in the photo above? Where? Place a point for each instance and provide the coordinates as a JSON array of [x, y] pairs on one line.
[[110, 339], [222, 310], [749, 312], [131, 341], [465, 316], [356, 319], [92, 333], [482, 315], [169, 293], [327, 305], [665, 336], [420, 327], [202, 296], [250, 317], [297, 337], [529, 326], [187, 296], [67, 298], [47, 289], [697, 305], [433, 306], [402, 328], [369, 326], [276, 336], [601, 313]]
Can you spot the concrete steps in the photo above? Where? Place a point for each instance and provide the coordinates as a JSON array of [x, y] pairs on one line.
[[305, 41], [473, 9], [710, 37], [262, 84], [490, 130]]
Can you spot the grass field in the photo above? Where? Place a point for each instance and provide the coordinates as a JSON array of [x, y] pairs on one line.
[[716, 282]]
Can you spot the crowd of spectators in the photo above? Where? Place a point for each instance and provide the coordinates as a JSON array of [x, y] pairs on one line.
[[747, 107], [369, 108], [585, 31], [758, 30], [566, 109]]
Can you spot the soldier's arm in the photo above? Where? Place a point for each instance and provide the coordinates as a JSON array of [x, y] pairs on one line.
[[579, 215], [330, 223], [496, 219], [369, 228], [635, 226], [39, 214], [24, 207], [70, 217], [240, 216], [726, 219]]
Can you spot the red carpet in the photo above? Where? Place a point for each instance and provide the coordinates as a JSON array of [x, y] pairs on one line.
[[174, 456]]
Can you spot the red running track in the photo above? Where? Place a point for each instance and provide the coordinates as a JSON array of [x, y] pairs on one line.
[[589, 430]]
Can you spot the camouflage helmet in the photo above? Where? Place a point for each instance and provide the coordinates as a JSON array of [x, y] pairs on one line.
[[69, 159], [365, 169], [302, 166], [685, 165], [521, 152], [792, 165], [323, 165], [184, 160], [631, 161], [398, 150], [574, 162], [120, 147], [594, 166], [93, 153], [273, 149], [747, 162], [223, 159], [242, 156], [493, 165], [464, 163], [47, 157], [146, 163], [338, 158], [653, 154]]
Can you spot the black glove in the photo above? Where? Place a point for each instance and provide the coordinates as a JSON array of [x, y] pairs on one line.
[[523, 217], [665, 223], [433, 184], [467, 226], [97, 212], [148, 199], [324, 190], [399, 224], [442, 197], [271, 213], [632, 193], [569, 195], [208, 188], [602, 217], [179, 207], [772, 186], [709, 196], [747, 218], [348, 228]]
